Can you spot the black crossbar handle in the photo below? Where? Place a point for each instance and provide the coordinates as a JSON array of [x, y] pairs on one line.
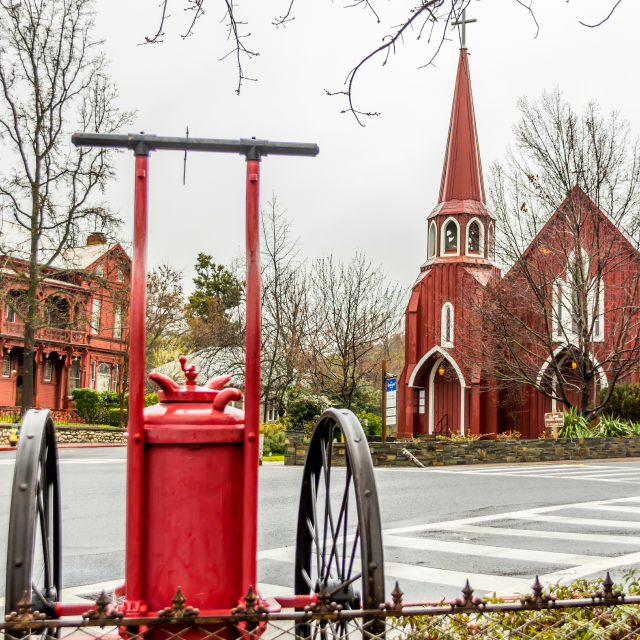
[[141, 144]]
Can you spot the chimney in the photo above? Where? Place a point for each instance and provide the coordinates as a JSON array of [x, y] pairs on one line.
[[96, 238]]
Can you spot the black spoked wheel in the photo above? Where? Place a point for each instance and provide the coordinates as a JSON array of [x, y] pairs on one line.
[[339, 537], [34, 545]]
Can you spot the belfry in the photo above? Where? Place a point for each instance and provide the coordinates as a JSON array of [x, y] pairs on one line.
[[438, 392]]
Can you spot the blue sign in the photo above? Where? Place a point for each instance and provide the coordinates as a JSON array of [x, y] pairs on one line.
[[391, 384]]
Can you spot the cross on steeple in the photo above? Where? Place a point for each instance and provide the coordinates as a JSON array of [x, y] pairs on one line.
[[464, 22]]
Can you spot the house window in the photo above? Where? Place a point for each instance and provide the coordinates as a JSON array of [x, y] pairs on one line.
[[120, 275], [48, 370], [92, 383], [11, 314], [95, 315], [433, 236], [100, 270], [104, 377], [6, 366], [451, 236], [446, 337], [114, 384], [74, 376], [117, 322]]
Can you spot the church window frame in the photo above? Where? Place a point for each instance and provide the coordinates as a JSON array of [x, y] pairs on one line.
[[432, 241], [480, 251], [447, 326], [443, 233], [491, 242]]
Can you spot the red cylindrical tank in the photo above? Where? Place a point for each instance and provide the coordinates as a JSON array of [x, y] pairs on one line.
[[193, 484]]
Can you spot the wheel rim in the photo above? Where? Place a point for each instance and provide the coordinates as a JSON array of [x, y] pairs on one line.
[[33, 550], [339, 540]]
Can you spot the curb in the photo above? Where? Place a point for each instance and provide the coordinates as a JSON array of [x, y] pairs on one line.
[[79, 445]]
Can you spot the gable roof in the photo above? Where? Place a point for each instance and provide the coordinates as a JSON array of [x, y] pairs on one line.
[[579, 192]]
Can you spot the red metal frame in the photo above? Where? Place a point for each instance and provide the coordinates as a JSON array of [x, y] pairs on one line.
[[137, 337], [252, 149], [252, 380]]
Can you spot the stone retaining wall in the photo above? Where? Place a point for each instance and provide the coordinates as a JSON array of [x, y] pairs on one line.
[[78, 435], [434, 453]]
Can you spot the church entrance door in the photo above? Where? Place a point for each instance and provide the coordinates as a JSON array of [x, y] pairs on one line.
[[445, 396]]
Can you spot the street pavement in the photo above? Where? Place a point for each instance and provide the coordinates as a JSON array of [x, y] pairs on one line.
[[499, 526]]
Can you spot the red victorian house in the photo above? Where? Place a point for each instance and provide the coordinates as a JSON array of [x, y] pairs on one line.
[[82, 340], [444, 384]]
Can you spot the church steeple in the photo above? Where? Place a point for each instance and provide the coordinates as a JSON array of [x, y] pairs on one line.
[[462, 172]]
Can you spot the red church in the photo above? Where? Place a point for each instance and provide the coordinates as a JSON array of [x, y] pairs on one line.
[[440, 389]]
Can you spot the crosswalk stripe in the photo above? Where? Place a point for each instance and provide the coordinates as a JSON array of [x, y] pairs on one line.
[[447, 577], [607, 507], [549, 535], [426, 544], [622, 524], [574, 573]]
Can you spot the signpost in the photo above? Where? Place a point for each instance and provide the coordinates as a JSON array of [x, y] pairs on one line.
[[388, 401], [391, 401], [553, 421]]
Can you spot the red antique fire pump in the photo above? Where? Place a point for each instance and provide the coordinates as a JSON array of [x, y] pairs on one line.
[[192, 470]]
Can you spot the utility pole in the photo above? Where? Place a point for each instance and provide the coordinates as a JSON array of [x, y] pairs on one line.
[[384, 401]]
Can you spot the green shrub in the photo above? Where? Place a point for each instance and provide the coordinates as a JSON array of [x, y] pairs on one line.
[[111, 417], [624, 402], [575, 426], [150, 398], [303, 406], [371, 423], [274, 444], [88, 404]]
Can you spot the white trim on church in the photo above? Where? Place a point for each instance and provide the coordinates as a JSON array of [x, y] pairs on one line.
[[463, 384], [480, 252], [443, 235]]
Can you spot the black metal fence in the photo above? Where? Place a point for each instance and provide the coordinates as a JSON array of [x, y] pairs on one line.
[[606, 614]]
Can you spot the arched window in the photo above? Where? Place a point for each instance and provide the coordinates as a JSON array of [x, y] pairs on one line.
[[104, 377], [120, 275], [74, 376], [450, 237], [433, 238], [491, 243], [6, 366], [48, 370], [447, 326], [475, 237]]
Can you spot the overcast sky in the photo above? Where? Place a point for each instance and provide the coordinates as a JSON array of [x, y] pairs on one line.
[[370, 188]]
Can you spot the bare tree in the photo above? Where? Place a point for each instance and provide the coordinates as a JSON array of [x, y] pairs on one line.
[[165, 320], [429, 21], [51, 74], [565, 318], [284, 307], [354, 310]]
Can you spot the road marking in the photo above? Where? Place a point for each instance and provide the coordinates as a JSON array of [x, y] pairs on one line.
[[426, 544], [451, 578], [537, 533], [566, 575], [606, 507], [589, 522]]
